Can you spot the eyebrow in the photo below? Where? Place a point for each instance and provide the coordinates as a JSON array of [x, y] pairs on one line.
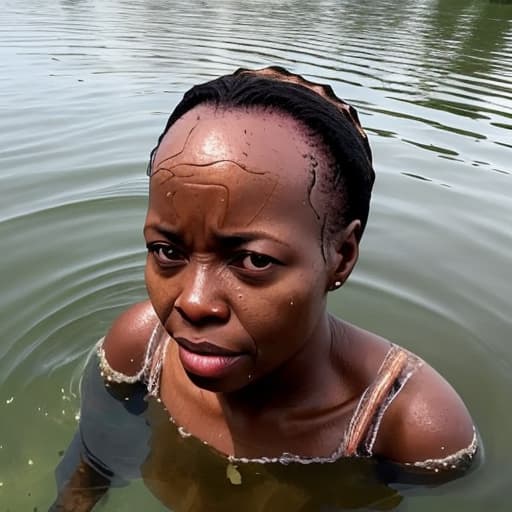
[[234, 239], [168, 233], [241, 237]]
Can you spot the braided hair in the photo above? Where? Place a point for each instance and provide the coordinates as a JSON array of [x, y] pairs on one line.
[[351, 176]]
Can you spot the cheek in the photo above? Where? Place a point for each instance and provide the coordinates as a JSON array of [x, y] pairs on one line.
[[160, 293], [303, 310], [284, 314]]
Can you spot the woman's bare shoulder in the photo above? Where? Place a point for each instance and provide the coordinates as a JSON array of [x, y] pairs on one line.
[[426, 421], [362, 351], [126, 341]]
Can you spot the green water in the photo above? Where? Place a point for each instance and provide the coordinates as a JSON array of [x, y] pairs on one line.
[[85, 88]]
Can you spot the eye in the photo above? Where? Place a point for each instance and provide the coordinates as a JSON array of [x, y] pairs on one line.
[[166, 255], [255, 262]]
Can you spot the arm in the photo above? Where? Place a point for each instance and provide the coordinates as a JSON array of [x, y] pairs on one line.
[[82, 491], [112, 428]]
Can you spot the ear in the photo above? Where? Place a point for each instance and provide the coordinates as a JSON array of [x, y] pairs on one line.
[[344, 253]]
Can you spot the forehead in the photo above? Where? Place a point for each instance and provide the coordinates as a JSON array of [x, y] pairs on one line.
[[251, 159], [256, 139]]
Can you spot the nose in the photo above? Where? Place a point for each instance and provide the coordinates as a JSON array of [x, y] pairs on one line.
[[201, 300]]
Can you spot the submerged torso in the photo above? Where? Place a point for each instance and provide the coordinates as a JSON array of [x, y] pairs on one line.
[[126, 430], [188, 476]]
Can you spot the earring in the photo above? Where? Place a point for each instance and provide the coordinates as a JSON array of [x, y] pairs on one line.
[[336, 285]]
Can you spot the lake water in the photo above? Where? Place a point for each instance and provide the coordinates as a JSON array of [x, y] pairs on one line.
[[85, 89]]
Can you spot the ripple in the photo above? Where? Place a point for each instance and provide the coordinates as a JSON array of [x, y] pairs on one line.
[[65, 328], [86, 88]]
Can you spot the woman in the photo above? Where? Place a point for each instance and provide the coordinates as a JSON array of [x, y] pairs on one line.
[[259, 194]]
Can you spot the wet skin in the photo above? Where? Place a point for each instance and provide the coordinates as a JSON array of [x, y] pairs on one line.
[[239, 265], [238, 272], [236, 258], [234, 242]]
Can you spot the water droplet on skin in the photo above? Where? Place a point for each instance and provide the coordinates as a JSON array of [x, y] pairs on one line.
[[168, 194], [249, 376], [291, 303]]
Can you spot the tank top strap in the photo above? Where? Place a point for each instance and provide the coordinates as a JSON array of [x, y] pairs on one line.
[[145, 372], [155, 354], [393, 374]]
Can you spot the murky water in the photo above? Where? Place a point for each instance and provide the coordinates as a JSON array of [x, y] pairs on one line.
[[85, 88]]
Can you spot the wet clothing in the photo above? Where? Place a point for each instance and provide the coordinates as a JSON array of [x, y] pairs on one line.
[[126, 433]]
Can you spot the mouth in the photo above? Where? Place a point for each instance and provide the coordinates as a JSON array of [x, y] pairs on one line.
[[206, 359], [205, 348]]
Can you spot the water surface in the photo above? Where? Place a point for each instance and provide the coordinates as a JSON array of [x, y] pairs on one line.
[[85, 89]]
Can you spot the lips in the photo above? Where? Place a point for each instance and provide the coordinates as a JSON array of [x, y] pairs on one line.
[[205, 348], [206, 359]]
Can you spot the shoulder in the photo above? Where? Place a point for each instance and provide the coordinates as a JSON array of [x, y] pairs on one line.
[[125, 343], [427, 420]]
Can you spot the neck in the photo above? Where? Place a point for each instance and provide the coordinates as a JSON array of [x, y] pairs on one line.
[[305, 381]]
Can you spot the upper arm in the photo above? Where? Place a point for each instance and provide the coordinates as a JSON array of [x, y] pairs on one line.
[[125, 342], [427, 420]]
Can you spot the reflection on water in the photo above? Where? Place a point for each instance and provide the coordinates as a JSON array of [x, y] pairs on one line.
[[84, 91]]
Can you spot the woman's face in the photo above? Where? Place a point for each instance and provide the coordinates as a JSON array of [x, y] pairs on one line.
[[235, 269]]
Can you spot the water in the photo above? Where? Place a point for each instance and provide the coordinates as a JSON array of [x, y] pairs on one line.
[[85, 88]]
